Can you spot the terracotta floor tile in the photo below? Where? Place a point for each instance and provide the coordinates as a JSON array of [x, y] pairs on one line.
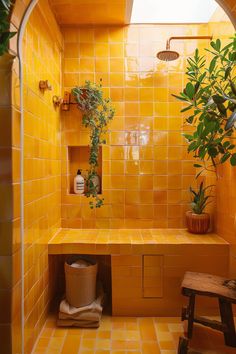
[[75, 332], [88, 343], [47, 332], [89, 334], [175, 327], [42, 343], [133, 345], [118, 325], [71, 345], [167, 320], [150, 348], [103, 344], [118, 345], [167, 345], [118, 334], [56, 343], [59, 332], [131, 335], [52, 351], [133, 326], [104, 334], [147, 329], [164, 336], [162, 327]]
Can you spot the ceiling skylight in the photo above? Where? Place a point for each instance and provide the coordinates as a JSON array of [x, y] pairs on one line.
[[172, 11]]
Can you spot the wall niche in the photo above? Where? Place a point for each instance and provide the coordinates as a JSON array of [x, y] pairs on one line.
[[78, 158]]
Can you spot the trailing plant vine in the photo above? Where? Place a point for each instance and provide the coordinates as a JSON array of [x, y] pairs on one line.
[[97, 113], [211, 97], [5, 34]]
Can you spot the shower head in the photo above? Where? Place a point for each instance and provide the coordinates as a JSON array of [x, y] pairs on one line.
[[168, 55]]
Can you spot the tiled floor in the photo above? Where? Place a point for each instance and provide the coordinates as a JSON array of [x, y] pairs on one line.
[[124, 335]]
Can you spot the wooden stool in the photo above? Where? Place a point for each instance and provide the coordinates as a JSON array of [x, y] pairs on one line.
[[184, 349], [212, 286]]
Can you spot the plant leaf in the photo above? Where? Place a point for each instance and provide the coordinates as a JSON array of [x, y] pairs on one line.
[[231, 120], [233, 160], [190, 90]]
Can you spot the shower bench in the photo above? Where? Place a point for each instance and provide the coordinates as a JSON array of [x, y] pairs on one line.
[[148, 265]]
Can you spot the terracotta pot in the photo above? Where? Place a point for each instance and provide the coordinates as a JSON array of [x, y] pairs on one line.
[[197, 223]]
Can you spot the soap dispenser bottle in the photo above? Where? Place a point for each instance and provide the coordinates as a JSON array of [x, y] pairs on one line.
[[79, 183]]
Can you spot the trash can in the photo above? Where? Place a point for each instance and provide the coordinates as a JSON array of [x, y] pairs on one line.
[[80, 277]]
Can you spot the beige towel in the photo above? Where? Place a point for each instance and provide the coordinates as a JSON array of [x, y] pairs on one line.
[[69, 310], [82, 316], [81, 324], [85, 316]]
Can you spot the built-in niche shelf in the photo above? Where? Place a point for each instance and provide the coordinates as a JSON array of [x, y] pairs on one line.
[[78, 158]]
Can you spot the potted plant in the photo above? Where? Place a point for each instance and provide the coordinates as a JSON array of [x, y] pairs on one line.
[[210, 95], [97, 113], [5, 34], [197, 220]]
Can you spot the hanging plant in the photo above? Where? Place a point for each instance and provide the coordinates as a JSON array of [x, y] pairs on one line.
[[97, 113], [211, 97], [5, 34]]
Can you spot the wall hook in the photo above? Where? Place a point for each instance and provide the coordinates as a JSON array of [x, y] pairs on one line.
[[45, 85], [57, 100]]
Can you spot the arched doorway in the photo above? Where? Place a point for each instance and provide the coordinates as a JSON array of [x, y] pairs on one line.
[[19, 19]]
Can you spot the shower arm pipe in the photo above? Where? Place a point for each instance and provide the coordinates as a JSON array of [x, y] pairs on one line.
[[185, 38]]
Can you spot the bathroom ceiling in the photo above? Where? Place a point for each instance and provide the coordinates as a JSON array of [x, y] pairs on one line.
[[85, 12]]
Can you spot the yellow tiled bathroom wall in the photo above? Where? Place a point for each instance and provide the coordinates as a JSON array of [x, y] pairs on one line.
[[146, 168], [42, 166]]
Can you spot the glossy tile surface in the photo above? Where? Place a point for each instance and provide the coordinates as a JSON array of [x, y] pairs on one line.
[[146, 170], [122, 335], [42, 165], [110, 240], [89, 12]]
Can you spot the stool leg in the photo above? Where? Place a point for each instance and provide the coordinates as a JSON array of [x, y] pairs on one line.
[[227, 319], [183, 345], [191, 315]]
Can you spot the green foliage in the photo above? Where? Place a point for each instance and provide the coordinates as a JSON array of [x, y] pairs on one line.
[[97, 112], [210, 94], [199, 199], [5, 34]]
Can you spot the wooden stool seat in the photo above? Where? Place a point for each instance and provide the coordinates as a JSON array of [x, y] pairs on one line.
[[212, 286], [207, 285]]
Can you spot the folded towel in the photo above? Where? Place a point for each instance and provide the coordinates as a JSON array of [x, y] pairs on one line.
[[86, 316], [95, 306], [81, 324]]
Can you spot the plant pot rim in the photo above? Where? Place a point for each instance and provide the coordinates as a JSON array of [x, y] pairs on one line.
[[191, 212]]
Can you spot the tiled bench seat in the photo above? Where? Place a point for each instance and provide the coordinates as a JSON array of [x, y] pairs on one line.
[[147, 265], [130, 241]]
